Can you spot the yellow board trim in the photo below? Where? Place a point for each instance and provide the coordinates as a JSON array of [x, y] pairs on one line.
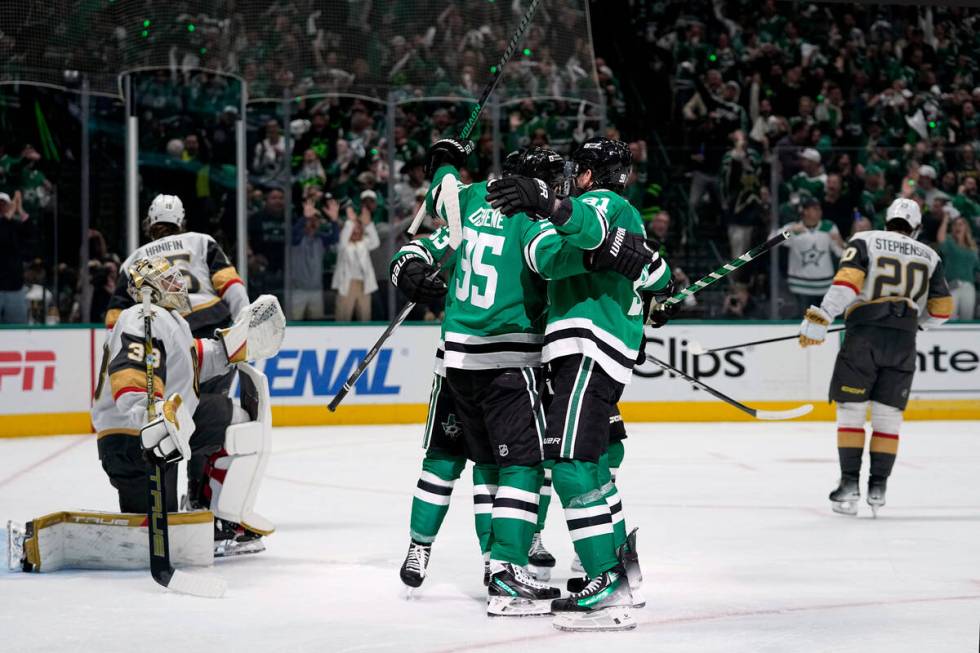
[[662, 411]]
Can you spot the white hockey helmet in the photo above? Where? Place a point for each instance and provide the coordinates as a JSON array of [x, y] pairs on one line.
[[167, 286], [166, 208], [905, 209]]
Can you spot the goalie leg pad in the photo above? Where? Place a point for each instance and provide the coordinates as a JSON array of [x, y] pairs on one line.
[[243, 461], [105, 540]]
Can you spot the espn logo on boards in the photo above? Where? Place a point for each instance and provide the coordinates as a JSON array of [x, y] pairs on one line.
[[24, 364]]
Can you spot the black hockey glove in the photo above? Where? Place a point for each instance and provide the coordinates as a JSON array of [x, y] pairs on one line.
[[447, 151], [660, 314], [515, 194], [623, 252], [414, 278]]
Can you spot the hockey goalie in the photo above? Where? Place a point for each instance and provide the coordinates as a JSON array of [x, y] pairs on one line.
[[234, 434]]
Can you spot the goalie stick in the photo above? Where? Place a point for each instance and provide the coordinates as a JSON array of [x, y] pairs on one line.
[[696, 349], [793, 413], [464, 133], [160, 568]]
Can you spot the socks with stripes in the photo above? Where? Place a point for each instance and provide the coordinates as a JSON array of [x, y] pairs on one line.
[[515, 513], [884, 449], [432, 495], [485, 481], [850, 448], [544, 496], [611, 495], [586, 513]]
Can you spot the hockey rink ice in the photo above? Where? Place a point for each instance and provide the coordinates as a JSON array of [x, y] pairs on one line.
[[739, 548]]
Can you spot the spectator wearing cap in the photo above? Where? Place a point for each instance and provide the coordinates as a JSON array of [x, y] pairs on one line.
[[811, 180], [961, 262], [13, 236], [354, 278], [927, 183], [311, 239], [811, 249]]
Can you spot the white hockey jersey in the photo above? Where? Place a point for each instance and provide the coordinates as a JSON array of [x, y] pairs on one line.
[[209, 275], [182, 361], [811, 268], [888, 266]]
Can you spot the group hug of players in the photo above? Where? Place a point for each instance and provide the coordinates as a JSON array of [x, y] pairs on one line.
[[545, 306]]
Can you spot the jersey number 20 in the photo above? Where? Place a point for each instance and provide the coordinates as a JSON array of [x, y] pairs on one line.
[[897, 279]]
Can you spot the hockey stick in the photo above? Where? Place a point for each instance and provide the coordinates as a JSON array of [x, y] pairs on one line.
[[160, 568], [464, 133], [696, 349], [793, 413], [727, 268]]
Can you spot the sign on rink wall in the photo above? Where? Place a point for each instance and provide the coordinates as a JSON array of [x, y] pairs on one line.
[[47, 375]]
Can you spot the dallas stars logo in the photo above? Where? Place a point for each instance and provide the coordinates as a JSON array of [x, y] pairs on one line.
[[812, 256], [450, 427]]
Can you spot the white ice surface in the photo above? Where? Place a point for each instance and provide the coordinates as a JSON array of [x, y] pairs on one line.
[[738, 544]]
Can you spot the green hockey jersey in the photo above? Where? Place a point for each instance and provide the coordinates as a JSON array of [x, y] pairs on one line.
[[497, 304], [600, 314]]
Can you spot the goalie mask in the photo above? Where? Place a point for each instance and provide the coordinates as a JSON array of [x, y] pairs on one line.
[[166, 283]]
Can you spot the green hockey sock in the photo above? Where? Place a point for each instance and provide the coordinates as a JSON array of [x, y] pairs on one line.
[[515, 513], [586, 513], [485, 480], [432, 494], [544, 496], [616, 453], [611, 495]]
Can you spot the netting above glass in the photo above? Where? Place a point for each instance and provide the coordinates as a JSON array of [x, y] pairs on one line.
[[414, 48]]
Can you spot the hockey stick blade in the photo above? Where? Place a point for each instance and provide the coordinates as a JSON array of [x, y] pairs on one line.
[[205, 586], [417, 220], [776, 415]]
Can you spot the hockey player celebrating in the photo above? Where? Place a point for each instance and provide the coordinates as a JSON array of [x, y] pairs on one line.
[[215, 292], [595, 325], [888, 285], [493, 336], [187, 421]]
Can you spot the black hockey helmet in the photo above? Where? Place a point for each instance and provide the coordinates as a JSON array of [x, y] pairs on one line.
[[512, 163], [608, 160], [547, 165]]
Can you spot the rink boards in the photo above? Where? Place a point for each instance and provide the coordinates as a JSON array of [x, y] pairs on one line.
[[48, 375]]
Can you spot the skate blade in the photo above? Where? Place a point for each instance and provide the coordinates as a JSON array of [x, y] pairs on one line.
[[844, 507], [229, 548], [607, 619], [412, 593], [875, 507], [506, 606], [639, 601], [541, 574], [15, 545]]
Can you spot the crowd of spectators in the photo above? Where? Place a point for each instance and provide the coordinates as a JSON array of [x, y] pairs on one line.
[[822, 114], [817, 114]]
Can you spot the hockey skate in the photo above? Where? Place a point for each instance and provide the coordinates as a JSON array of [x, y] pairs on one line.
[[416, 562], [539, 561], [876, 493], [631, 562], [512, 592], [486, 569], [604, 604], [16, 560], [844, 499], [231, 539]]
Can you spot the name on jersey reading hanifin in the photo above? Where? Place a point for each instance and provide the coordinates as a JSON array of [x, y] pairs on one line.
[[906, 247], [164, 246]]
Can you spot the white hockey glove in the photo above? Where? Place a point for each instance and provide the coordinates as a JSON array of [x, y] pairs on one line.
[[257, 332], [168, 437], [813, 331]]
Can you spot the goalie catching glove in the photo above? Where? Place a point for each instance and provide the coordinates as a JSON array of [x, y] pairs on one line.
[[513, 195], [417, 280], [813, 331], [623, 252], [257, 332], [167, 438]]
